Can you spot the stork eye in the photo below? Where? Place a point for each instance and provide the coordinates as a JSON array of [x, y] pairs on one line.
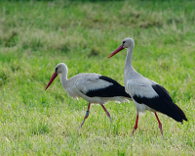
[[56, 70]]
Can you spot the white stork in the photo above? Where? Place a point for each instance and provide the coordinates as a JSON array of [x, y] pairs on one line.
[[147, 94], [92, 87]]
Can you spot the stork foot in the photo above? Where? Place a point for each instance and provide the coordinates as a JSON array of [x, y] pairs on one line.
[[133, 131], [159, 123], [108, 114], [106, 111], [110, 119], [161, 130], [136, 124], [86, 115]]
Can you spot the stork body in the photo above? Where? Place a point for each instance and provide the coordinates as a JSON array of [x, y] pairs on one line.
[[92, 87], [147, 94]]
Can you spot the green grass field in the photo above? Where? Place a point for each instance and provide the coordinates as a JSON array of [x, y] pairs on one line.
[[35, 36]]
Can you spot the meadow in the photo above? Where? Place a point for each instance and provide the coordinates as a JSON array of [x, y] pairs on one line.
[[37, 35]]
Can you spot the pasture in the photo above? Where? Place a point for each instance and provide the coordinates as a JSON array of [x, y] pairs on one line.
[[37, 35]]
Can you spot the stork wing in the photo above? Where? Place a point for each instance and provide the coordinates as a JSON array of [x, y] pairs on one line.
[[157, 98], [101, 86], [86, 84], [141, 88]]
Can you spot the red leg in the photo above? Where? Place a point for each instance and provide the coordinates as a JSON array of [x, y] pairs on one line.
[[136, 123], [159, 123], [86, 115], [107, 113]]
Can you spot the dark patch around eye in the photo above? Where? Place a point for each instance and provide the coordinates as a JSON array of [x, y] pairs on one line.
[[56, 69]]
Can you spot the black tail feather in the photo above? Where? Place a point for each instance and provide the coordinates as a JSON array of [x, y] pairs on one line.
[[177, 113], [166, 104], [162, 105]]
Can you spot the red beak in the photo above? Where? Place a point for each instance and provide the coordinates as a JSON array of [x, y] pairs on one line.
[[51, 80], [116, 51]]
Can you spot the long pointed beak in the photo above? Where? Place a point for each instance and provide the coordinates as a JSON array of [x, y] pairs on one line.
[[116, 51], [51, 80]]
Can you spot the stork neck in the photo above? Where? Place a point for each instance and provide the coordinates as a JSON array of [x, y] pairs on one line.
[[63, 78], [128, 63]]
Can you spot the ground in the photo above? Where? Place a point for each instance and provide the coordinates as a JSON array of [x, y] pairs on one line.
[[36, 35]]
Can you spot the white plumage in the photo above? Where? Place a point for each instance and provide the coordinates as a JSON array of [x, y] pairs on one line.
[[141, 87], [92, 87], [147, 94]]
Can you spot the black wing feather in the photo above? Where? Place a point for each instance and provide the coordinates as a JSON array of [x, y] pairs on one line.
[[162, 103], [111, 91]]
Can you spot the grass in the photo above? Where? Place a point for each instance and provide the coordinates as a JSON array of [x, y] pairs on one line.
[[36, 35]]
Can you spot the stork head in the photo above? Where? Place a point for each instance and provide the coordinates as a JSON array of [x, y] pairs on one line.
[[59, 69], [126, 43]]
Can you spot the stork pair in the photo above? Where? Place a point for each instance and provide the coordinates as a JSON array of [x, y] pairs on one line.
[[95, 88]]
